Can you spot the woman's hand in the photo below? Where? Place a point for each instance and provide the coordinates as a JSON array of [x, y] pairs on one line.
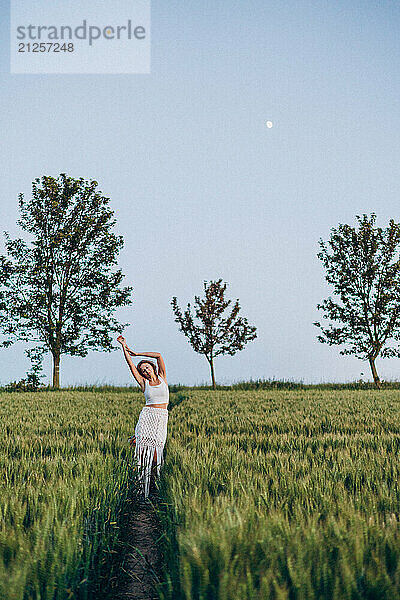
[[123, 343], [121, 340]]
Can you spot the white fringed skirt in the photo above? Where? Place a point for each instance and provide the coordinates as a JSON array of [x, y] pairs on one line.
[[151, 434]]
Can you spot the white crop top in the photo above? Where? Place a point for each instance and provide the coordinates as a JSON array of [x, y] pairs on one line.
[[156, 394]]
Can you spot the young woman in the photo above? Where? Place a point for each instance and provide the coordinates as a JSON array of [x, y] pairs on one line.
[[151, 428]]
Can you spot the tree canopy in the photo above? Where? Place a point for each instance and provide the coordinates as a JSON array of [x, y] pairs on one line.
[[60, 289], [363, 266], [210, 329]]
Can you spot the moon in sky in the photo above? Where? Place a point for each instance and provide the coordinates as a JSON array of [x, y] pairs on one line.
[[269, 124]]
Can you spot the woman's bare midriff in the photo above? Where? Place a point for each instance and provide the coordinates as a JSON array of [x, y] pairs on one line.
[[157, 405]]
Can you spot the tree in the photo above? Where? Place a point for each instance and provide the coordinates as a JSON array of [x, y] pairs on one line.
[[209, 331], [60, 290], [363, 266]]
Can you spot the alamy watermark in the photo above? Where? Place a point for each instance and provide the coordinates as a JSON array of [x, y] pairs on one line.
[[51, 36]]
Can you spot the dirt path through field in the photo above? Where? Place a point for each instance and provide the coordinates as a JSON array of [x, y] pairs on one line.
[[142, 562]]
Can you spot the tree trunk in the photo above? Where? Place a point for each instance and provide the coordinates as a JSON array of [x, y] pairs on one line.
[[212, 372], [375, 375], [56, 370]]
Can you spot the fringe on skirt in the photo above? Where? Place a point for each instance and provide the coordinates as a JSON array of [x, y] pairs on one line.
[[151, 434]]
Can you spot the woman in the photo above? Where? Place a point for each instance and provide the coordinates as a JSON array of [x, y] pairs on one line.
[[151, 428]]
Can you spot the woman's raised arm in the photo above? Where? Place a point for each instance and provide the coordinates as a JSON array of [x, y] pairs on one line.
[[139, 378]]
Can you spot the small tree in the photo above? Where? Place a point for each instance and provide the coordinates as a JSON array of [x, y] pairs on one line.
[[214, 334], [363, 266], [60, 290]]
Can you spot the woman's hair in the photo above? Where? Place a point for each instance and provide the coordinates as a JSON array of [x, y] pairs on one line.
[[149, 362]]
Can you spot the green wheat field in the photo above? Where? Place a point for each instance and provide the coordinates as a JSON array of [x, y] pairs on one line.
[[265, 494]]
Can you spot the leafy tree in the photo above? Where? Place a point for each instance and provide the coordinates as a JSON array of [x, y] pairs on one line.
[[363, 266], [60, 290], [210, 331]]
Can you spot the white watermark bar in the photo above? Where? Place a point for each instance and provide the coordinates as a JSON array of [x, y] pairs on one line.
[[76, 36]]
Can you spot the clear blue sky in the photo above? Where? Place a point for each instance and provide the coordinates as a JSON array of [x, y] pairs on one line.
[[200, 186]]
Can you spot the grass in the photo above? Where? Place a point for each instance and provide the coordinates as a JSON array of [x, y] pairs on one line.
[[266, 494], [65, 475], [253, 385], [283, 495]]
